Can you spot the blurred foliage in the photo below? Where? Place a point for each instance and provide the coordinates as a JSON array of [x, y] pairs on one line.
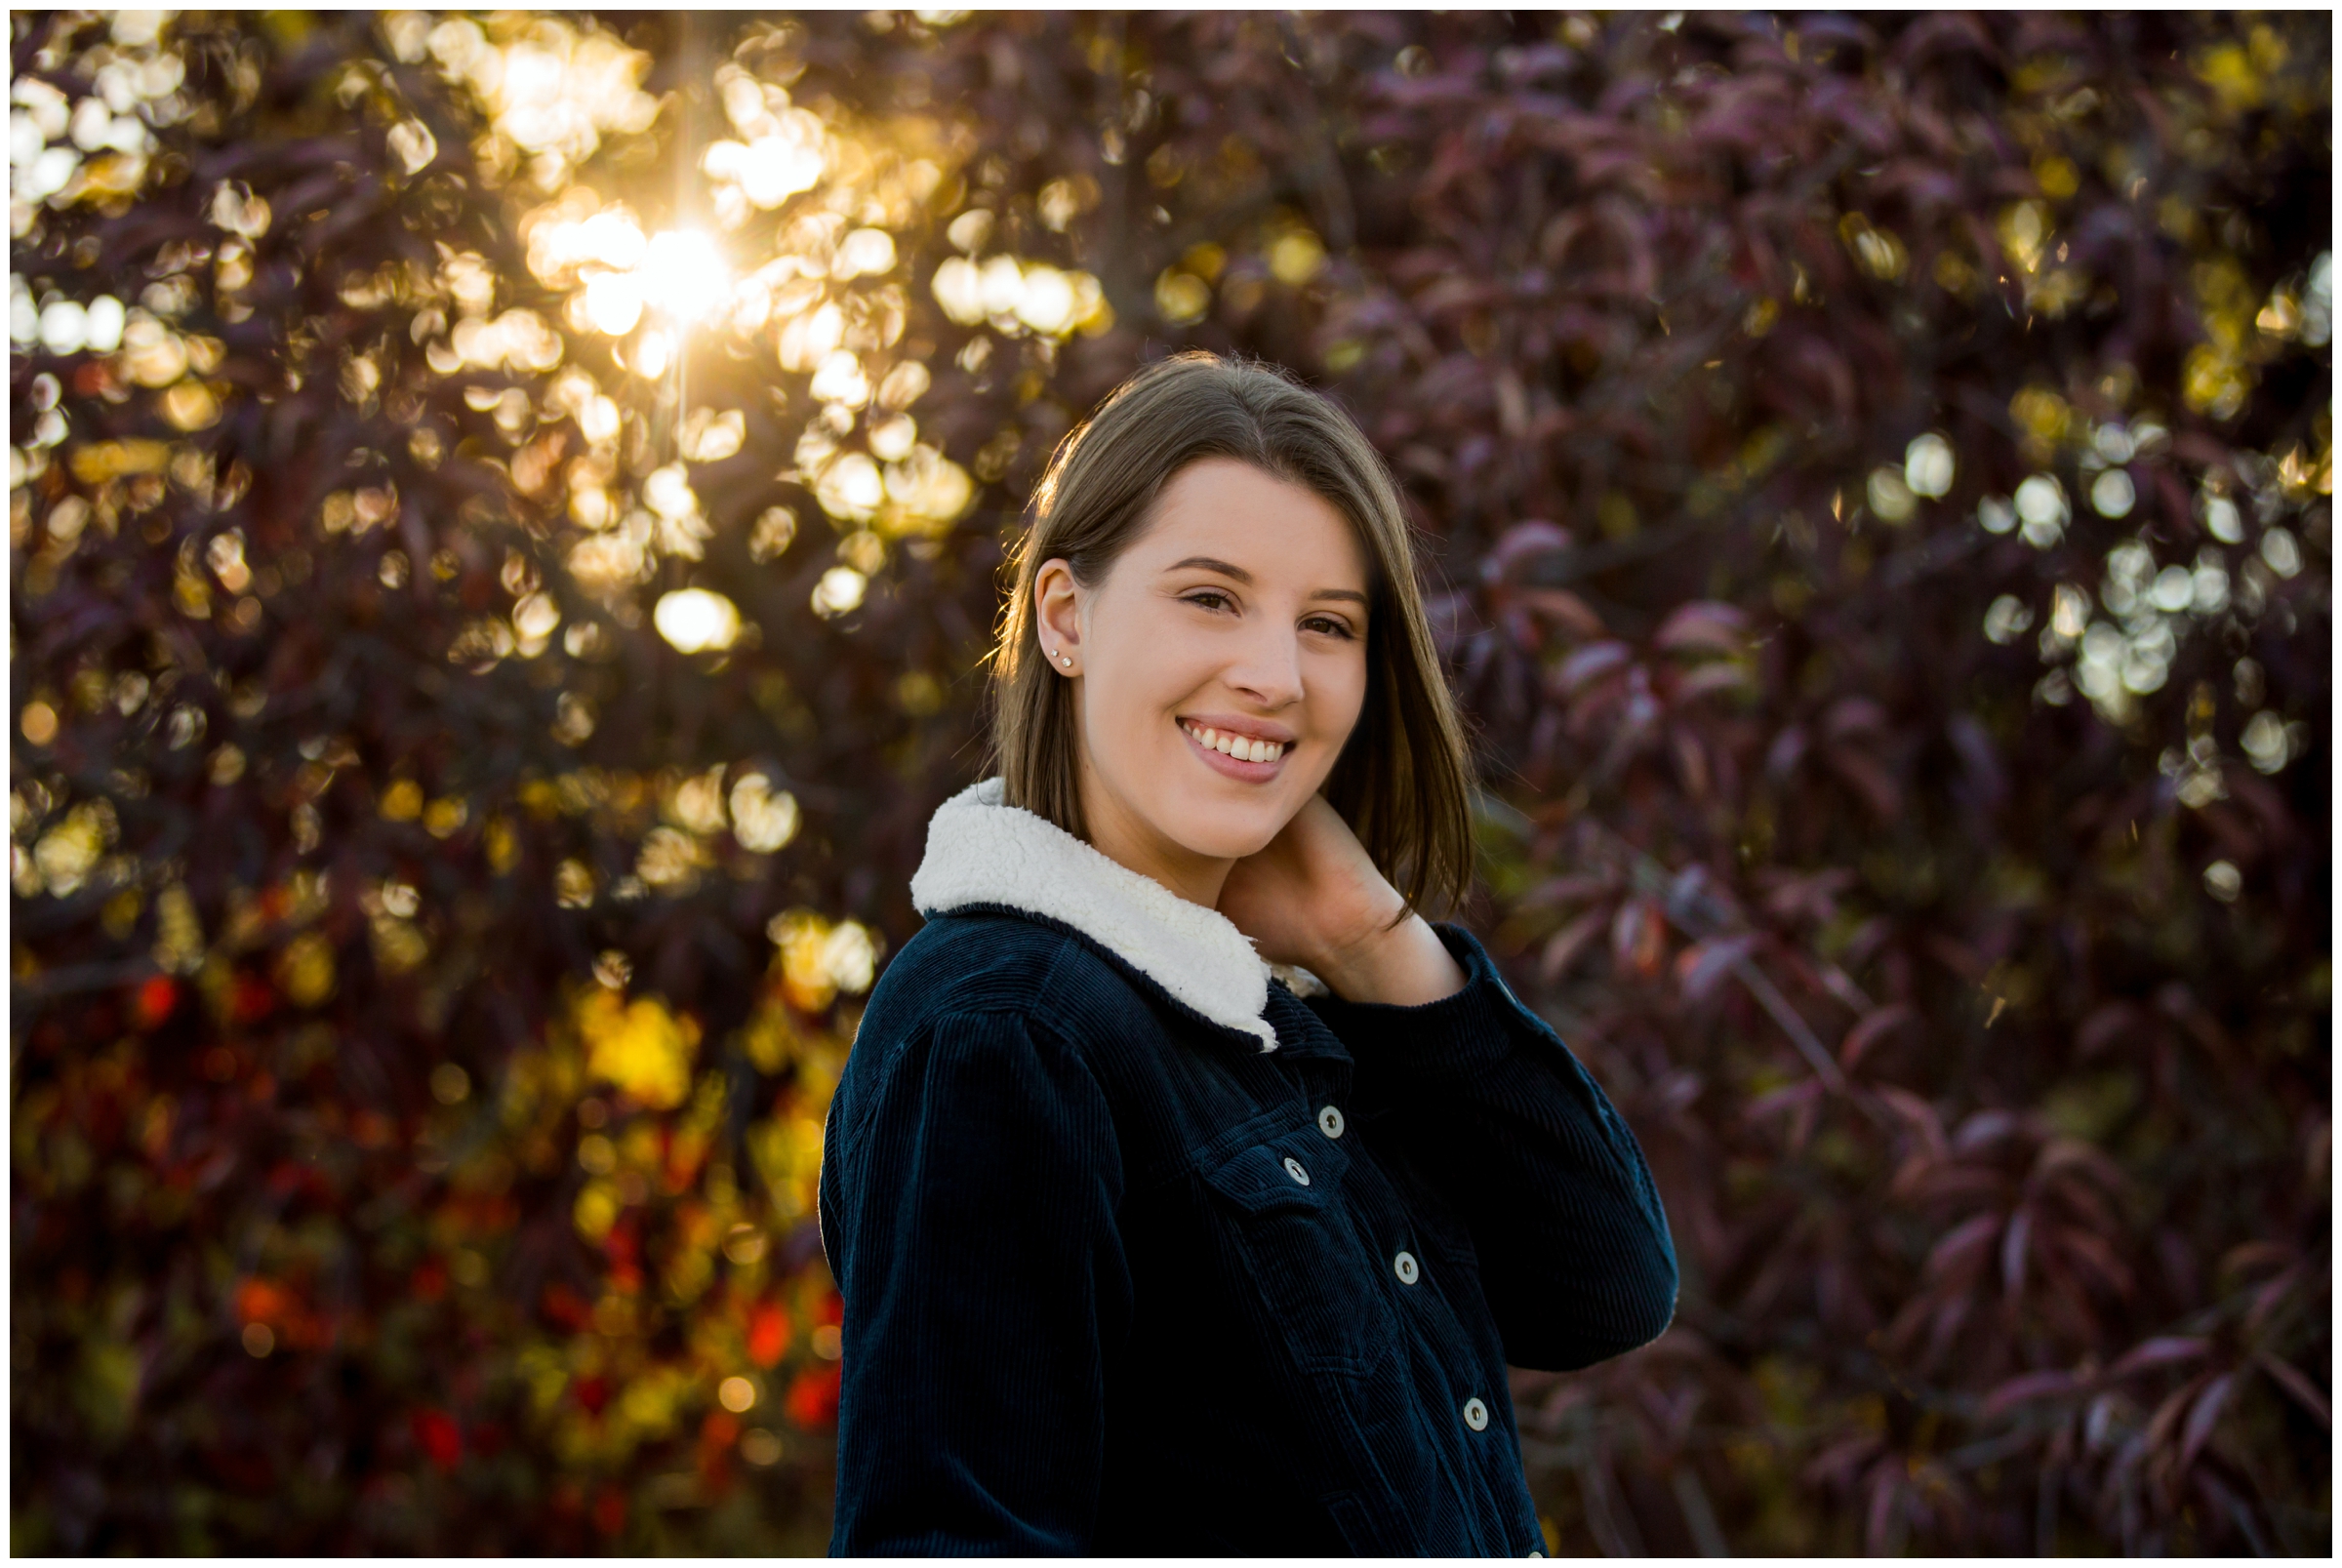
[[505, 521]]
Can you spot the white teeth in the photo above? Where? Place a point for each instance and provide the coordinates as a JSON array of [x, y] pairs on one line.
[[1237, 747]]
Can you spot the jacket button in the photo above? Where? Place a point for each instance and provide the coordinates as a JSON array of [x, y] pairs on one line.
[[1329, 1122], [1294, 1170], [1403, 1266], [1475, 1415]]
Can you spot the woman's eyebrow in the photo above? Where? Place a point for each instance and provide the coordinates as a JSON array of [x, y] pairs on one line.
[[1211, 565], [1241, 576]]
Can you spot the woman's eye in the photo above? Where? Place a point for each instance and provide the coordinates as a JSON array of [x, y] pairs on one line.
[[1334, 627], [1198, 598]]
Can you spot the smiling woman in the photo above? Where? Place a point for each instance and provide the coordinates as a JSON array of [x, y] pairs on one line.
[[1098, 1259], [1212, 698], [1219, 544]]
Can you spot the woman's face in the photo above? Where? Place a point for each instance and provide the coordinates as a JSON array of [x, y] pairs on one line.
[[1241, 608]]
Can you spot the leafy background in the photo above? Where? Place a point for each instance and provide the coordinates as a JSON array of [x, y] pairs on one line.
[[506, 517]]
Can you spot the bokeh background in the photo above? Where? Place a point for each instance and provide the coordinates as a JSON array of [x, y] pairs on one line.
[[506, 517]]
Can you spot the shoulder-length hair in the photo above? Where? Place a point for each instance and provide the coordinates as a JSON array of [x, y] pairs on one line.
[[1402, 781]]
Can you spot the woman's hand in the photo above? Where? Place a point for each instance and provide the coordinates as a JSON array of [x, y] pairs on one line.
[[1314, 898]]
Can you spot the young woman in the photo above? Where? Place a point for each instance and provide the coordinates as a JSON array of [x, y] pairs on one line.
[[1187, 1191]]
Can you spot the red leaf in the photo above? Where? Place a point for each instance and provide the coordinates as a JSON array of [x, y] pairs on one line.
[[262, 1301], [252, 999], [2204, 1417], [1852, 715], [439, 1437], [1570, 941], [2031, 1385], [1868, 780], [1787, 1097], [2250, 1255], [1638, 937], [2104, 1027], [812, 1399], [1918, 1115], [157, 999], [565, 1306], [1886, 1497], [2295, 1381], [1869, 1029], [768, 1333], [1700, 966], [2162, 1350], [1983, 1129], [1781, 756], [1588, 664], [1963, 1242], [610, 1510], [1567, 889], [1703, 624], [2266, 1299], [1564, 608], [2167, 1415], [2090, 1250], [1718, 676], [2012, 1252], [1524, 541], [2062, 1154]]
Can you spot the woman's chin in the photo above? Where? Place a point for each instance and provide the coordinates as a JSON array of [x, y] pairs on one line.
[[1214, 830], [1223, 848]]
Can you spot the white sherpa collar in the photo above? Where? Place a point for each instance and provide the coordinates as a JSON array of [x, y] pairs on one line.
[[980, 851]]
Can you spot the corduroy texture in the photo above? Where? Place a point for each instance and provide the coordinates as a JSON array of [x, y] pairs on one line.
[[1090, 1308]]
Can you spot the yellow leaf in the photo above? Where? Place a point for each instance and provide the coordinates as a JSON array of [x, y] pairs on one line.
[[305, 969], [640, 1047]]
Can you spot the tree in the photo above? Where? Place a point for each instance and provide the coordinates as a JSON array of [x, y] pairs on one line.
[[507, 520]]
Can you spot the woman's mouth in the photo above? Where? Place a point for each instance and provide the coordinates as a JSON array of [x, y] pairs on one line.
[[1237, 756]]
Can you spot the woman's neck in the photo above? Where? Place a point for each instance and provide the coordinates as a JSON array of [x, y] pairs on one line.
[[1125, 837]]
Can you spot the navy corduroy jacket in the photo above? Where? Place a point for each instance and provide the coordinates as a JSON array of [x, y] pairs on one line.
[[1134, 1263]]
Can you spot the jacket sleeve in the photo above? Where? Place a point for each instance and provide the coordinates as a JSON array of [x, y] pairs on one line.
[[1480, 1099], [969, 1192]]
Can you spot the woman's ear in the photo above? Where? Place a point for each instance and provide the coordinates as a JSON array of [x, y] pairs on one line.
[[1057, 616]]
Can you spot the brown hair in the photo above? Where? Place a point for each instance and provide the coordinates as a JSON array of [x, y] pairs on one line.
[[1402, 781]]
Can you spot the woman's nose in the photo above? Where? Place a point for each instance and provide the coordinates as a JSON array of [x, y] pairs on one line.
[[1270, 668]]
